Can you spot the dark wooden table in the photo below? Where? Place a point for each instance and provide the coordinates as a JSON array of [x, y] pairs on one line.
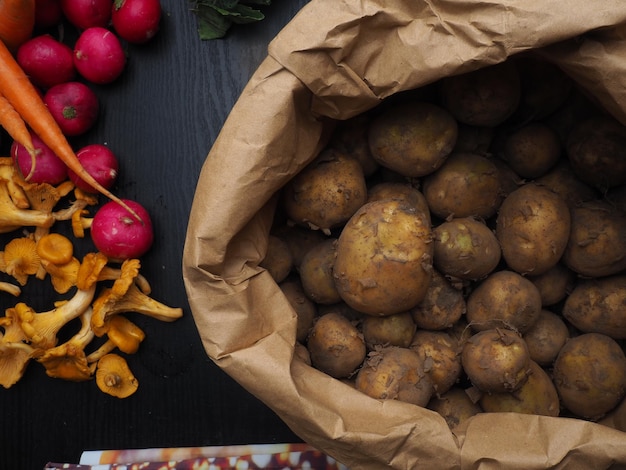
[[161, 118]]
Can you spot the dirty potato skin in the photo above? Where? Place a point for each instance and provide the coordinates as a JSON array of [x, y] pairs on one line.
[[442, 306], [546, 337], [394, 373], [597, 306], [278, 260], [316, 273], [597, 241], [504, 299], [537, 395], [412, 139], [466, 248], [555, 284], [384, 258], [496, 360], [590, 375], [533, 227], [327, 192], [441, 355], [305, 308], [400, 191], [335, 345], [465, 185], [390, 330], [455, 406]]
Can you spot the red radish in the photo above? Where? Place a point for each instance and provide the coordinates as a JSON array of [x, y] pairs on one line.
[[136, 21], [118, 235], [48, 167], [87, 13], [100, 162], [48, 13], [98, 55], [46, 61], [74, 106]]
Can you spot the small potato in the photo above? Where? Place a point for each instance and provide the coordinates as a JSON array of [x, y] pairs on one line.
[[597, 306], [537, 396], [466, 248], [299, 239], [278, 261], [384, 258], [474, 139], [562, 180], [350, 138], [496, 360], [533, 226], [555, 284], [590, 375], [455, 406], [442, 306], [483, 97], [531, 150], [545, 88], [596, 149], [412, 138], [441, 355], [326, 193], [305, 308], [465, 185], [391, 330], [335, 345], [546, 337], [597, 241], [316, 273], [394, 373], [504, 299]]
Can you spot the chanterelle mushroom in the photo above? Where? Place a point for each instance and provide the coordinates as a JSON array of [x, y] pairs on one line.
[[114, 377], [68, 360], [122, 334], [21, 259], [14, 353]]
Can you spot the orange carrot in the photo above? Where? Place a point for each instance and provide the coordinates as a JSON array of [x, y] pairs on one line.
[[16, 87], [17, 21], [17, 130]]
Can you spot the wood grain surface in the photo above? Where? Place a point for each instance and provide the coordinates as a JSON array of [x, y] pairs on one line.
[[161, 118]]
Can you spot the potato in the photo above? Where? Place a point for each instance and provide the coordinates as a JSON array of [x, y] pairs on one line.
[[590, 375], [455, 406], [554, 284], [305, 308], [496, 360], [597, 241], [278, 260], [562, 180], [441, 356], [326, 193], [299, 239], [394, 373], [533, 227], [391, 330], [483, 97], [545, 88], [465, 248], [465, 185], [412, 138], [350, 138], [442, 306], [504, 299], [537, 396], [546, 337], [596, 149], [401, 191], [597, 306], [335, 345], [531, 150], [473, 139], [509, 180], [316, 273], [384, 258]]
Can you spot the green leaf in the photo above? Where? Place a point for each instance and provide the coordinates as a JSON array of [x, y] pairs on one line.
[[215, 17]]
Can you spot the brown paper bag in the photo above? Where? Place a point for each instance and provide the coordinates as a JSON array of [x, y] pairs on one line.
[[338, 58]]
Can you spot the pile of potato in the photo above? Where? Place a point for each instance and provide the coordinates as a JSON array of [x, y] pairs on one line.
[[462, 247]]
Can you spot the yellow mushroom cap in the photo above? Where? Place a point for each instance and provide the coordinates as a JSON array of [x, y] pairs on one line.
[[114, 377]]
